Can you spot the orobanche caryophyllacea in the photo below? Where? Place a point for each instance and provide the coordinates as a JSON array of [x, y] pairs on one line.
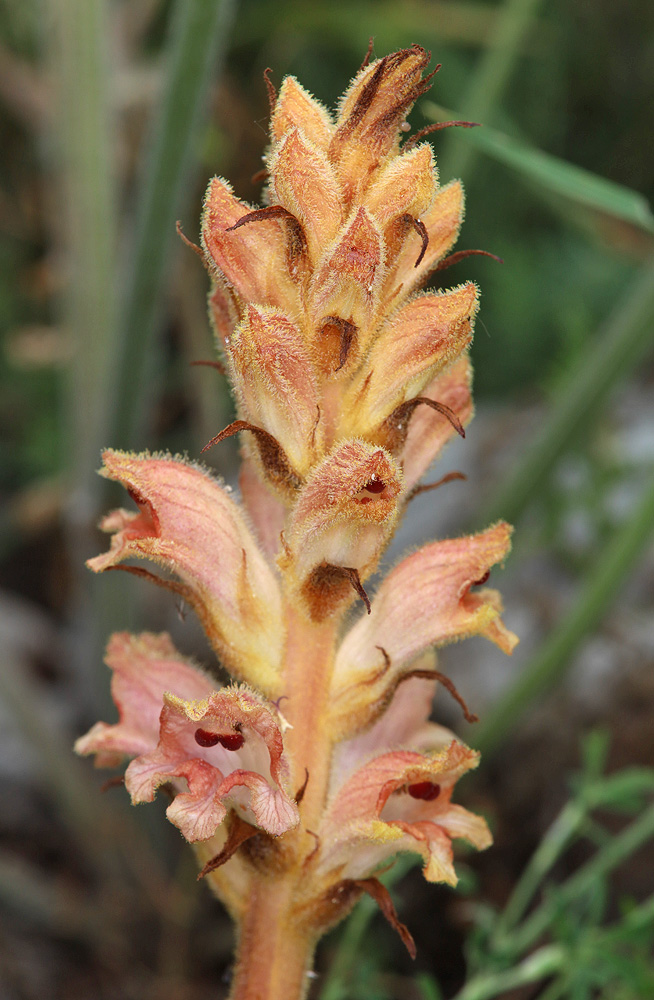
[[299, 781]]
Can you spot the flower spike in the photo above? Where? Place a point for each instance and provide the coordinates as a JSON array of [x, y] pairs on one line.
[[298, 785]]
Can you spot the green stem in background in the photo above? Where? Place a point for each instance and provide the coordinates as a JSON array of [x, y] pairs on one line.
[[620, 344], [543, 963], [617, 850], [84, 151], [198, 37], [565, 827], [491, 76], [552, 660]]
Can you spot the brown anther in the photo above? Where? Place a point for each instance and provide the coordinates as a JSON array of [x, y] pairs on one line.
[[189, 243], [270, 87], [239, 831], [436, 127], [353, 574], [454, 258], [421, 230], [396, 427], [271, 453], [436, 675], [366, 60], [333, 327], [449, 478], [261, 175], [299, 795], [482, 579], [218, 365]]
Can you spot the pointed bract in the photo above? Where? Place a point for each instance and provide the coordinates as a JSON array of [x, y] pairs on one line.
[[275, 382]]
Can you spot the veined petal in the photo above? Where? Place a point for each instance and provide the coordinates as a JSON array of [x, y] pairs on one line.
[[296, 108], [303, 182], [426, 601], [144, 667], [428, 432], [346, 285], [266, 511], [402, 723], [229, 749], [400, 801], [274, 377], [188, 523], [343, 518], [253, 258], [424, 337]]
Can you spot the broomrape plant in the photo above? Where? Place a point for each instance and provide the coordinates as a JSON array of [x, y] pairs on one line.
[[299, 781]]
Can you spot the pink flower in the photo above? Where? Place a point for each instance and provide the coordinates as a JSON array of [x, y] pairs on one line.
[[230, 751], [400, 800], [220, 750]]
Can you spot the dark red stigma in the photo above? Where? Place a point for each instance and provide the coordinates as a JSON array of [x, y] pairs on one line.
[[206, 739], [230, 741], [375, 485], [426, 790], [482, 579]]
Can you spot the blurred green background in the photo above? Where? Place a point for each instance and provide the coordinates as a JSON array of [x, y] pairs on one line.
[[113, 115]]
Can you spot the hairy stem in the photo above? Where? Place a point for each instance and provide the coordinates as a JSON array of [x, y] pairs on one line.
[[275, 949]]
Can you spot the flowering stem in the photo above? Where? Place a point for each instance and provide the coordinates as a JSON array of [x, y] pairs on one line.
[[274, 955], [307, 674], [275, 949]]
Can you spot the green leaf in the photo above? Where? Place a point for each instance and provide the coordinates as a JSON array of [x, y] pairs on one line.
[[556, 176]]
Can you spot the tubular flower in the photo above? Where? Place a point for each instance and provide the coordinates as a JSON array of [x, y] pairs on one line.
[[349, 380]]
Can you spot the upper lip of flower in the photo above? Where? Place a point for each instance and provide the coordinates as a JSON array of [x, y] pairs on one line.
[[189, 524]]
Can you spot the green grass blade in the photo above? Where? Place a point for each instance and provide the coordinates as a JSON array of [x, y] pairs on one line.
[[83, 147], [198, 37], [554, 176], [489, 80], [553, 659], [617, 850]]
